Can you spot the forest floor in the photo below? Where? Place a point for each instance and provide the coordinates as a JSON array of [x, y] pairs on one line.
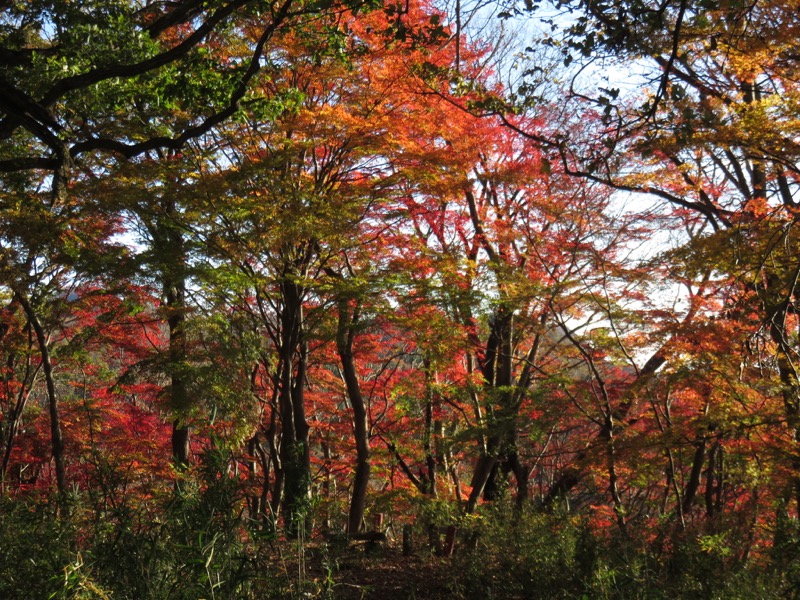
[[358, 572]]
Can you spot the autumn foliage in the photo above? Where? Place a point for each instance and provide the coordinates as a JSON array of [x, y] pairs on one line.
[[273, 275]]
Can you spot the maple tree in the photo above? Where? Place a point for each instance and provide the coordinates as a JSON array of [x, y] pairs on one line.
[[307, 180], [706, 127]]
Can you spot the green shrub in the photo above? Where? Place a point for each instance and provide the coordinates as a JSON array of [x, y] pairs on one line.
[[199, 546], [39, 554], [538, 554]]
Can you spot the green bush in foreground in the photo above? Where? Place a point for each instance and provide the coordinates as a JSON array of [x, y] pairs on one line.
[[197, 544], [547, 555]]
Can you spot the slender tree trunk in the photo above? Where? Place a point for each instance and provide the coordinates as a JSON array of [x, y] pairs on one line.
[[344, 343], [427, 442], [277, 466], [711, 480], [328, 484], [613, 477], [10, 424], [56, 438], [14, 418], [272, 434], [693, 484], [254, 452]]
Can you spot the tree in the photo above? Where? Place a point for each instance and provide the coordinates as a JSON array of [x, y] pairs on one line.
[[98, 61], [311, 184], [709, 131], [84, 80], [50, 244]]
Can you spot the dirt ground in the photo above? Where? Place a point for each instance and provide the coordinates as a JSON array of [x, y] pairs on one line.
[[359, 572]]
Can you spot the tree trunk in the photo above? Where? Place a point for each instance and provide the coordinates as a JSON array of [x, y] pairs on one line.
[[14, 418], [170, 261], [56, 438], [711, 480], [481, 474], [427, 438], [294, 451], [174, 284], [693, 484], [344, 344], [275, 461], [180, 444], [10, 425], [497, 370]]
